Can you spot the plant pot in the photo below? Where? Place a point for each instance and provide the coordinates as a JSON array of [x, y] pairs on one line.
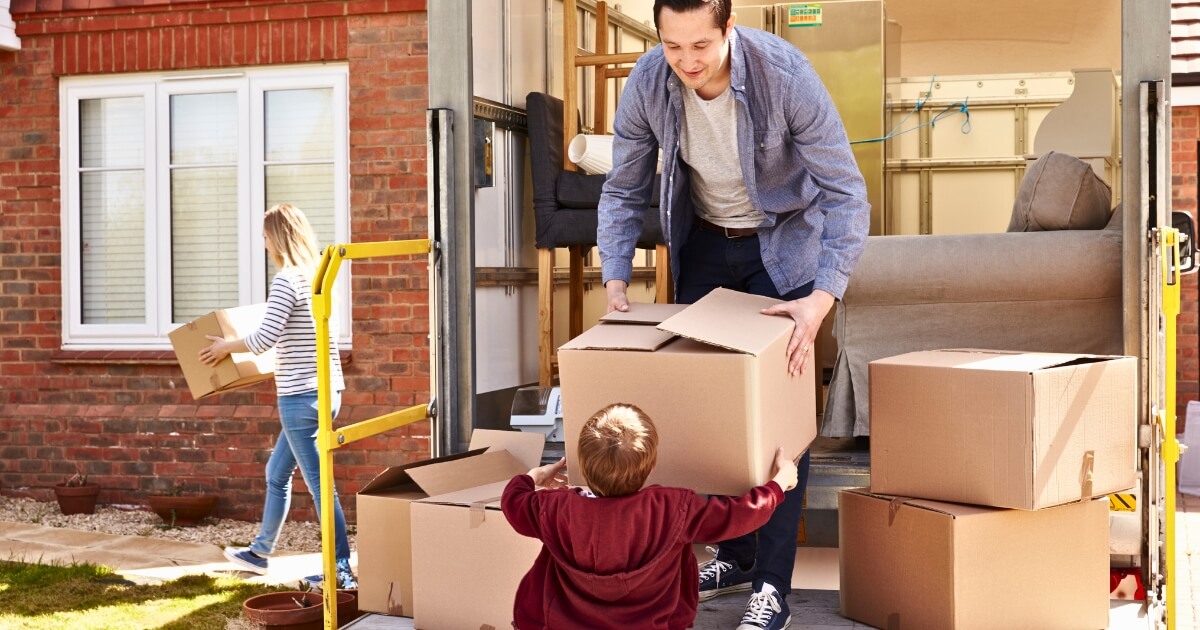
[[279, 611], [182, 511], [76, 499]]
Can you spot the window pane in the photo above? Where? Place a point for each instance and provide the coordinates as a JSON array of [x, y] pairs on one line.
[[204, 241], [111, 132], [299, 125], [113, 257], [308, 187], [204, 128]]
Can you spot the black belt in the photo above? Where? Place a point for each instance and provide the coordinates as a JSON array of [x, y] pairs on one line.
[[728, 232]]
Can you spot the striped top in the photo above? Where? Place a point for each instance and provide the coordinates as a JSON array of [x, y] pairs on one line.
[[289, 327]]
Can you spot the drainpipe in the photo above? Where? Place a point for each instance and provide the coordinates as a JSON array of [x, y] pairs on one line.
[[8, 28]]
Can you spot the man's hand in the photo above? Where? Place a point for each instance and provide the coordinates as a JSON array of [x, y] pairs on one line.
[[550, 475], [808, 312], [783, 471], [616, 295]]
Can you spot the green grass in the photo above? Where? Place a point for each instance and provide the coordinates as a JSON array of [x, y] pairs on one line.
[[90, 597]]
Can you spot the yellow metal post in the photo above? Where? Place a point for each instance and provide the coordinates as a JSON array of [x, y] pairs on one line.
[[1170, 445], [327, 438]]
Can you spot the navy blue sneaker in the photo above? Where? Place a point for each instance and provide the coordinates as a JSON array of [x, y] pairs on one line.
[[246, 559], [718, 577], [766, 610], [345, 578]]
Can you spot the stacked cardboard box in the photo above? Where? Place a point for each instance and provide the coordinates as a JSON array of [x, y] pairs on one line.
[[712, 375], [408, 549], [985, 466]]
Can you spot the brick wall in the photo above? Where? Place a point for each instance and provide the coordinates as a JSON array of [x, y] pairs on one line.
[[1185, 143], [126, 418]]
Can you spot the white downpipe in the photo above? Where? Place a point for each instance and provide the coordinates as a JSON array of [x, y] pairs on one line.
[[8, 28]]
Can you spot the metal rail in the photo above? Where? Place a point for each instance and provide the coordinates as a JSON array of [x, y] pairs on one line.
[[328, 438]]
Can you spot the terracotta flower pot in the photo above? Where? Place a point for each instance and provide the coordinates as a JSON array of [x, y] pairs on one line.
[[182, 511], [280, 611], [76, 499]]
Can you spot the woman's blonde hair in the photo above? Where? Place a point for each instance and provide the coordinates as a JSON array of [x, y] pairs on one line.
[[292, 237], [618, 447]]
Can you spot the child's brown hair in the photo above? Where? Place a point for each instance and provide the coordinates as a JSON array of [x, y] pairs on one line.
[[618, 447]]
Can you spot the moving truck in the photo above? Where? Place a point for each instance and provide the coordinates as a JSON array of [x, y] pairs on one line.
[[485, 56]]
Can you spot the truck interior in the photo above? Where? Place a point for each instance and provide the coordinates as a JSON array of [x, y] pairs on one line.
[[950, 108]]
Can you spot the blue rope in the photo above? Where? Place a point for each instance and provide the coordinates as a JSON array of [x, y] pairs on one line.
[[960, 107]]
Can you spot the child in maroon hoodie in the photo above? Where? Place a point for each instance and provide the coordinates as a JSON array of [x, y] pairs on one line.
[[622, 557]]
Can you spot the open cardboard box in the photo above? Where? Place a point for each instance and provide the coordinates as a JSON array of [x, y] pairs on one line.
[[384, 539], [912, 563], [467, 560], [712, 376], [1019, 430], [234, 371]]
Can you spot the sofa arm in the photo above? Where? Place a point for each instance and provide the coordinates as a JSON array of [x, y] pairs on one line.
[[1030, 291], [1026, 266]]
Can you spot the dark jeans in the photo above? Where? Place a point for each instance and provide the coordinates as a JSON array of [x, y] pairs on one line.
[[710, 260]]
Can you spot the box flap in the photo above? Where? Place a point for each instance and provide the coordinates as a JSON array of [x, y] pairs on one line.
[[731, 320], [526, 447], [644, 313], [398, 475], [616, 337], [443, 477], [486, 496], [993, 360]]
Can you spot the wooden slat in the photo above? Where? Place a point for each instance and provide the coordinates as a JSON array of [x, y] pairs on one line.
[[663, 293], [600, 111], [609, 59], [575, 291], [570, 90], [545, 316]]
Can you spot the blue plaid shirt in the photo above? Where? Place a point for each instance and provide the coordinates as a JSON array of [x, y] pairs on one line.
[[800, 173]]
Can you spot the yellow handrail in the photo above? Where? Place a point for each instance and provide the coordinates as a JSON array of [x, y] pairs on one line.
[[328, 438], [1170, 445]]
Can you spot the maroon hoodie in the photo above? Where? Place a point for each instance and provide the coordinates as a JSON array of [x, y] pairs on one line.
[[621, 562]]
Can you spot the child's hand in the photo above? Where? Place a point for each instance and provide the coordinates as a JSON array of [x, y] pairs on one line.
[[550, 475], [784, 471]]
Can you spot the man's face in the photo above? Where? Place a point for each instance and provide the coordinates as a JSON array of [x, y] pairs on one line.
[[695, 48]]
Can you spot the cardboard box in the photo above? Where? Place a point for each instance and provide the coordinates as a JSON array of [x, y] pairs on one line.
[[384, 539], [1004, 429], [712, 375], [234, 371], [467, 560], [912, 563]]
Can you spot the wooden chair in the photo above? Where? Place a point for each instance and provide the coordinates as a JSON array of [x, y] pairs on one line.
[[607, 67]]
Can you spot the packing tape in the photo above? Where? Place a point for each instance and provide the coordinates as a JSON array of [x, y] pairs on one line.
[[1086, 476], [478, 511], [894, 506], [394, 605], [893, 621]]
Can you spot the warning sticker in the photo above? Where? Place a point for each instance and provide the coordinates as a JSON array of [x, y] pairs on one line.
[[804, 15], [1122, 502]]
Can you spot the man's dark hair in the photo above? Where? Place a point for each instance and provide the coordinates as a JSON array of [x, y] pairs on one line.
[[720, 9]]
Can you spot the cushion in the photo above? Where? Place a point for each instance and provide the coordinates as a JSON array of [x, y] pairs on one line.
[[1061, 192]]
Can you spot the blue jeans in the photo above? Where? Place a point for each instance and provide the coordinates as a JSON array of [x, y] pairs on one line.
[[297, 447], [710, 260]]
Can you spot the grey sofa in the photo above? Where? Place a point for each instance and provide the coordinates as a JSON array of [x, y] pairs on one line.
[[1052, 283]]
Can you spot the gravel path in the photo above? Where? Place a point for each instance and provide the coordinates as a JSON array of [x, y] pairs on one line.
[[136, 520]]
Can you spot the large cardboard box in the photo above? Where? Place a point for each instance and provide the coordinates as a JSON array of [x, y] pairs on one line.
[[1004, 429], [925, 565], [712, 375], [467, 560], [234, 371], [384, 539]]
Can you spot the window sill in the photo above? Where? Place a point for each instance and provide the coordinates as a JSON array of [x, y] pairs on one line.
[[133, 357]]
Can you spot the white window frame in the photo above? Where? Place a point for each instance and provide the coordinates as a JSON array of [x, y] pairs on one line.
[[250, 86]]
